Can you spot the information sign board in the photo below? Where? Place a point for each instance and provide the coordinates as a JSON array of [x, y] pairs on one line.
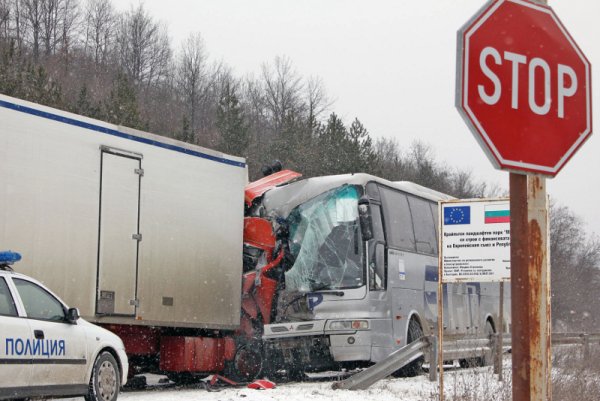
[[475, 240]]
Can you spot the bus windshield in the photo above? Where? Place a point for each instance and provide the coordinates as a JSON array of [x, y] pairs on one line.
[[325, 242]]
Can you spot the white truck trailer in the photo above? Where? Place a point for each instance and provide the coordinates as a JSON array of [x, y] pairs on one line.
[[142, 233]]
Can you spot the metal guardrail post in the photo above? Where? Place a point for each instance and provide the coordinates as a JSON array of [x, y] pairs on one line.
[[497, 354], [586, 347], [433, 358]]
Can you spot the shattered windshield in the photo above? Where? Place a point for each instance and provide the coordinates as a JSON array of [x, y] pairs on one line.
[[325, 242]]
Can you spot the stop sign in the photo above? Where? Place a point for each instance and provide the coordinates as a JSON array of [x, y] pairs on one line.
[[523, 87]]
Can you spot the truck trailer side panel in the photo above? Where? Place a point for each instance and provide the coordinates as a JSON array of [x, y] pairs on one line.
[[128, 226]]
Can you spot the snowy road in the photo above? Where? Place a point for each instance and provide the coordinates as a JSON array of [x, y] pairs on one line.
[[414, 389], [479, 381]]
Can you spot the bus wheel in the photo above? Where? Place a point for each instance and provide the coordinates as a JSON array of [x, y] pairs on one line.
[[415, 368]]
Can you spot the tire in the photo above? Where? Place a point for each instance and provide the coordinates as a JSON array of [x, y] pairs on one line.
[[106, 379], [248, 363], [415, 368], [185, 378]]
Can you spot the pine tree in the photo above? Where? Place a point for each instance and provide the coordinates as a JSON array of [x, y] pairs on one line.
[[292, 146], [231, 124], [84, 104], [39, 88], [121, 108], [361, 146], [10, 67], [185, 134], [333, 147]]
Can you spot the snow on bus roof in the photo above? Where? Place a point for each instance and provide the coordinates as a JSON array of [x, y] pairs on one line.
[[281, 200]]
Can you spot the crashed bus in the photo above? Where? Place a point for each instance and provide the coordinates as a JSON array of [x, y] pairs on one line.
[[360, 274]]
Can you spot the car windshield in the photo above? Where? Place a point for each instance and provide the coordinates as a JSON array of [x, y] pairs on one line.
[[325, 242]]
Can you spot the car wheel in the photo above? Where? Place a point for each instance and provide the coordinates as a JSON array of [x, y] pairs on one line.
[[106, 380]]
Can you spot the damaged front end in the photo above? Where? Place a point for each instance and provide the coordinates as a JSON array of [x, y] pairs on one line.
[[320, 235]]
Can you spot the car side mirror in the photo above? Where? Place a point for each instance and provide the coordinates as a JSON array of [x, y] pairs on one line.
[[364, 215], [72, 315]]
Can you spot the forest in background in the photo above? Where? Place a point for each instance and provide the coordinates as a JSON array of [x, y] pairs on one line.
[[85, 57]]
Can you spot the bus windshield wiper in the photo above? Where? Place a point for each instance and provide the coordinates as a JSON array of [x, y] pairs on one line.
[[324, 289]]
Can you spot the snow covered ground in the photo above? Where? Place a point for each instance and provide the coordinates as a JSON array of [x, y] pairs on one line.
[[479, 380], [573, 381], [415, 389]]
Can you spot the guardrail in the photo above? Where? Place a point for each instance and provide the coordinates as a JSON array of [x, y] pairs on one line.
[[583, 339], [396, 360], [455, 347]]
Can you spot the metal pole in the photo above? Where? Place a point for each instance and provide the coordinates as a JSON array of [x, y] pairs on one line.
[[440, 303], [530, 289], [433, 358], [499, 342], [440, 342]]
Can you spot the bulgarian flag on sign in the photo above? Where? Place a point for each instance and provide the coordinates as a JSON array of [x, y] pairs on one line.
[[498, 213]]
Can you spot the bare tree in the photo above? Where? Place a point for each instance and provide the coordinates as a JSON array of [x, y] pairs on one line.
[[69, 18], [100, 23], [317, 100], [143, 48], [49, 23], [282, 92], [5, 15], [389, 159], [19, 27], [31, 14], [193, 78], [575, 261]]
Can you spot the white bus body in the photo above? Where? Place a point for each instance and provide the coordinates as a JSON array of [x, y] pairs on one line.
[[348, 300]]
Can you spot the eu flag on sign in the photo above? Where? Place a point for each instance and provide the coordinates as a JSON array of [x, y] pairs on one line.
[[457, 215]]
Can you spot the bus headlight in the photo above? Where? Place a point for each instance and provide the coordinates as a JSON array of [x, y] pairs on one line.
[[349, 325]]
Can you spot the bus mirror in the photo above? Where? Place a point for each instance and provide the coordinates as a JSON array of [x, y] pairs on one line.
[[364, 214]]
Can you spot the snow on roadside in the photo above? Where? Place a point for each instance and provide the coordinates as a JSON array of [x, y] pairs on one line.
[[413, 389], [480, 380]]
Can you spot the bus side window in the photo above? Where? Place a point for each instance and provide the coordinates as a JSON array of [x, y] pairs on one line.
[[397, 220], [377, 265], [424, 225], [436, 220]]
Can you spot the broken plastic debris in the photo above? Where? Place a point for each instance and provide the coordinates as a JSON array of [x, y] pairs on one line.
[[261, 384]]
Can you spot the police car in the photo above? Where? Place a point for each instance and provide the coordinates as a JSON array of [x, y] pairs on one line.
[[47, 350]]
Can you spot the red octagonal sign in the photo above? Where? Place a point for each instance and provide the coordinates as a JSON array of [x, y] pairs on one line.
[[524, 86]]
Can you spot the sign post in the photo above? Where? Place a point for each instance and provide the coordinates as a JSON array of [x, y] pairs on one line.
[[530, 291], [474, 248], [524, 90]]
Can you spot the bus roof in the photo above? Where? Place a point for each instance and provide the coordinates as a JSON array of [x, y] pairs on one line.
[[281, 200]]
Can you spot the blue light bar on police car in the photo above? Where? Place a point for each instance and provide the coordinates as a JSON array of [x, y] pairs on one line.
[[9, 257]]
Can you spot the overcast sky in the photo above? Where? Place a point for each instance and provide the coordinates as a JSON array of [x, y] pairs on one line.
[[389, 63]]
